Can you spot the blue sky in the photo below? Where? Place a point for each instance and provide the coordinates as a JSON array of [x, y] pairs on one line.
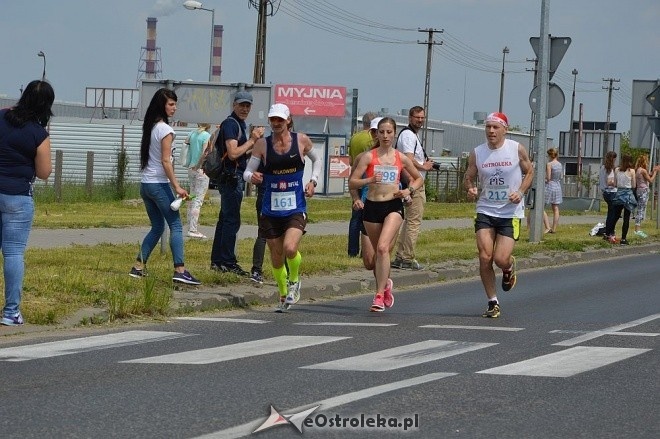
[[369, 45]]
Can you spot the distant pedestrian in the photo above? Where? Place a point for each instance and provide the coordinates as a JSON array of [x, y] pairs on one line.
[[360, 142], [554, 172], [607, 185], [624, 201], [24, 155], [498, 167], [156, 185], [284, 212], [409, 144], [198, 148], [383, 214], [239, 144], [643, 178]]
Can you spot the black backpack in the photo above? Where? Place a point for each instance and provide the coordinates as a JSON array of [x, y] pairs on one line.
[[217, 162]]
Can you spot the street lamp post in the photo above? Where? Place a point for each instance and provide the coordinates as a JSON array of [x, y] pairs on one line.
[[570, 130], [193, 5], [504, 52], [43, 55]]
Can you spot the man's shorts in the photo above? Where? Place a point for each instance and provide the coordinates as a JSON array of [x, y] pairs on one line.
[[377, 211], [273, 227], [509, 227]]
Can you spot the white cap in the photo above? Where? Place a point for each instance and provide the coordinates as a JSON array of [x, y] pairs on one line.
[[279, 110], [374, 123]]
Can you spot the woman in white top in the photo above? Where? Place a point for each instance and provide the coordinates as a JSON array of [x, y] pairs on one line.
[[607, 184], [156, 185], [624, 201], [554, 172]]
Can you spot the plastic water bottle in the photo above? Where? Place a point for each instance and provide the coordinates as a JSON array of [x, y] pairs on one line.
[[176, 204]]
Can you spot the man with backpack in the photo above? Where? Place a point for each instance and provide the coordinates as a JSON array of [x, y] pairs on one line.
[[234, 138], [409, 144]]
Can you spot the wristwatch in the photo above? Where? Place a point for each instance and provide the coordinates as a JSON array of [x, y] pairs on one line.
[[313, 182], [411, 189]]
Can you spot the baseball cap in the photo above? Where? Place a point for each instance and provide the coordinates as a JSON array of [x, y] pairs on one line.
[[279, 110], [374, 123], [243, 96]]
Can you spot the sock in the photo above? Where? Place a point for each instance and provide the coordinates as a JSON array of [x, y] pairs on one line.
[[294, 266], [279, 274], [493, 299]]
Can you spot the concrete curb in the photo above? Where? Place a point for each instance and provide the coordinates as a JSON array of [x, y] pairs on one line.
[[246, 293]]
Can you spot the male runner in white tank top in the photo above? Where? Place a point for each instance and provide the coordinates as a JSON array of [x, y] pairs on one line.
[[499, 165]]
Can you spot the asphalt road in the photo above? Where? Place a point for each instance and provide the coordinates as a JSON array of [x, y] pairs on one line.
[[575, 354]]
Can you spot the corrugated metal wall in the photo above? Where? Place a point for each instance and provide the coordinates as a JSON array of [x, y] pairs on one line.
[[105, 140]]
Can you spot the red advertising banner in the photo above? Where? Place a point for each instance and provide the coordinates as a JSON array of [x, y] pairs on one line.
[[312, 100]]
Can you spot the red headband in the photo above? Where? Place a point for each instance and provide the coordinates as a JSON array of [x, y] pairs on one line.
[[499, 118]]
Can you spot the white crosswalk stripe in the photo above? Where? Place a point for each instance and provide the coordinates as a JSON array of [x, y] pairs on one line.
[[402, 356], [239, 350], [566, 363], [84, 344]]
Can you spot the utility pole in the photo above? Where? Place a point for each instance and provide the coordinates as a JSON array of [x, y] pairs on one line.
[[571, 142], [260, 48], [533, 116], [609, 88], [427, 87], [504, 52]]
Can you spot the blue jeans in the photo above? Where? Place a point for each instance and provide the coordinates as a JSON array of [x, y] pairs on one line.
[[223, 251], [354, 227], [16, 214], [157, 198]]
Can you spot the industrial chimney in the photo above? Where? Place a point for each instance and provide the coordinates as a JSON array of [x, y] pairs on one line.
[[150, 63], [216, 68]]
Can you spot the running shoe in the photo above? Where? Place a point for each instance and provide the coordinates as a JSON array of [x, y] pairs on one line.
[[397, 263], [185, 278], [378, 305], [282, 306], [624, 242], [388, 297], [257, 277], [509, 277], [137, 272], [293, 295], [16, 319], [493, 310], [641, 234]]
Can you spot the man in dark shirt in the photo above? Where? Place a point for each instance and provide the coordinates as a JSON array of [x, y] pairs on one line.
[[239, 144]]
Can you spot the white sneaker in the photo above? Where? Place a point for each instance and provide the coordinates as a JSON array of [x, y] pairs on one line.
[[294, 293], [641, 234], [196, 235]]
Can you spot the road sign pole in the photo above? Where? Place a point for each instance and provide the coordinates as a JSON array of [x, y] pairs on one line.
[[536, 224]]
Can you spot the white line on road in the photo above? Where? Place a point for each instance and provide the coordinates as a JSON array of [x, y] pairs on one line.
[[79, 345], [402, 356], [246, 429], [344, 324], [238, 350], [482, 328], [636, 334], [566, 363], [606, 331], [223, 319]]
